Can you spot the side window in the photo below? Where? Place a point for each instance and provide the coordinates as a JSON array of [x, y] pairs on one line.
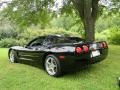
[[37, 42], [47, 41]]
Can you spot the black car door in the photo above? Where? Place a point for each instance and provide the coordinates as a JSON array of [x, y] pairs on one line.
[[34, 50]]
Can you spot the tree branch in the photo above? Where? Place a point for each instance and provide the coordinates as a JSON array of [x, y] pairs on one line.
[[79, 5]]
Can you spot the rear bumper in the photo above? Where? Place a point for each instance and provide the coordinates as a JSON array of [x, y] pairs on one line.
[[72, 59]]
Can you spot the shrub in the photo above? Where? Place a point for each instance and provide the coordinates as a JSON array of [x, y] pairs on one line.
[[103, 36], [112, 35], [21, 42], [8, 30], [30, 33], [104, 23], [23, 38], [8, 42]]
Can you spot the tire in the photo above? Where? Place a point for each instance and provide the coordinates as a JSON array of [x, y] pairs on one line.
[[13, 56], [52, 66]]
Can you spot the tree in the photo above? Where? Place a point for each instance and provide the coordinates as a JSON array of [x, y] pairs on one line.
[[88, 10], [27, 12]]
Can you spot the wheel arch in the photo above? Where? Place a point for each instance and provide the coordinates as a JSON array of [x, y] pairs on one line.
[[44, 56], [9, 52], [13, 50]]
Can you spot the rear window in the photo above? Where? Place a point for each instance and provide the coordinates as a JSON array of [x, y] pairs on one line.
[[76, 39], [58, 40]]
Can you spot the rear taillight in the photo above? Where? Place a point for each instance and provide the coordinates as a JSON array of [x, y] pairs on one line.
[[101, 45], [85, 48], [78, 50], [105, 45]]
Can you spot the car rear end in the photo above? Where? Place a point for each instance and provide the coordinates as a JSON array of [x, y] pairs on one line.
[[93, 52], [75, 50], [87, 53]]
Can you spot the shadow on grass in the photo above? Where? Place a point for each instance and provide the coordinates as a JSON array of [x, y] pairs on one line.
[[73, 70], [35, 64], [79, 69]]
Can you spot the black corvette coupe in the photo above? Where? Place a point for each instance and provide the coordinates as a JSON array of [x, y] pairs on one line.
[[57, 52]]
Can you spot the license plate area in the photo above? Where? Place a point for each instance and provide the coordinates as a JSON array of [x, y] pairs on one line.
[[95, 53]]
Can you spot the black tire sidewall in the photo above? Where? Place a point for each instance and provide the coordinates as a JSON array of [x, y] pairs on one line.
[[58, 73], [15, 56]]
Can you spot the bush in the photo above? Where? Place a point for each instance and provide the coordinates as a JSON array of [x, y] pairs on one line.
[[8, 30], [8, 42], [23, 38], [30, 34], [103, 36], [112, 35], [21, 42], [104, 23]]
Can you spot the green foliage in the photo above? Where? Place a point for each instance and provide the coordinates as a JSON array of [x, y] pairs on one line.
[[30, 33], [69, 23], [62, 22], [108, 28], [8, 42], [8, 33], [109, 7], [21, 42], [8, 30], [28, 12], [23, 38], [104, 23], [112, 35], [25, 13]]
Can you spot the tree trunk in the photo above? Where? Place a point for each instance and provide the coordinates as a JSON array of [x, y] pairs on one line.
[[89, 30], [88, 21], [87, 10]]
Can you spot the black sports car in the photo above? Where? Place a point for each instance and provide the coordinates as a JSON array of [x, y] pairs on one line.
[[57, 52]]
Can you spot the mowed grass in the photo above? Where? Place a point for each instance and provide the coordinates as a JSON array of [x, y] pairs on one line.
[[100, 76]]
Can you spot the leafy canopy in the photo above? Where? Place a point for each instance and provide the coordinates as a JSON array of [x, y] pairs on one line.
[[28, 12]]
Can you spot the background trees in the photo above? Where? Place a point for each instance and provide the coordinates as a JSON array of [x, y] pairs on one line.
[[73, 15]]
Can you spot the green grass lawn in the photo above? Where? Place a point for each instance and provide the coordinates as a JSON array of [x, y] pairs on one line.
[[100, 76]]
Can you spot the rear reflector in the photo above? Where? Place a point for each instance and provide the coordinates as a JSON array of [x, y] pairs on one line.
[[85, 48], [61, 57], [78, 50]]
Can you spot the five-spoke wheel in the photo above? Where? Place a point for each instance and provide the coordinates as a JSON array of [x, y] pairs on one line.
[[52, 65], [12, 56]]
